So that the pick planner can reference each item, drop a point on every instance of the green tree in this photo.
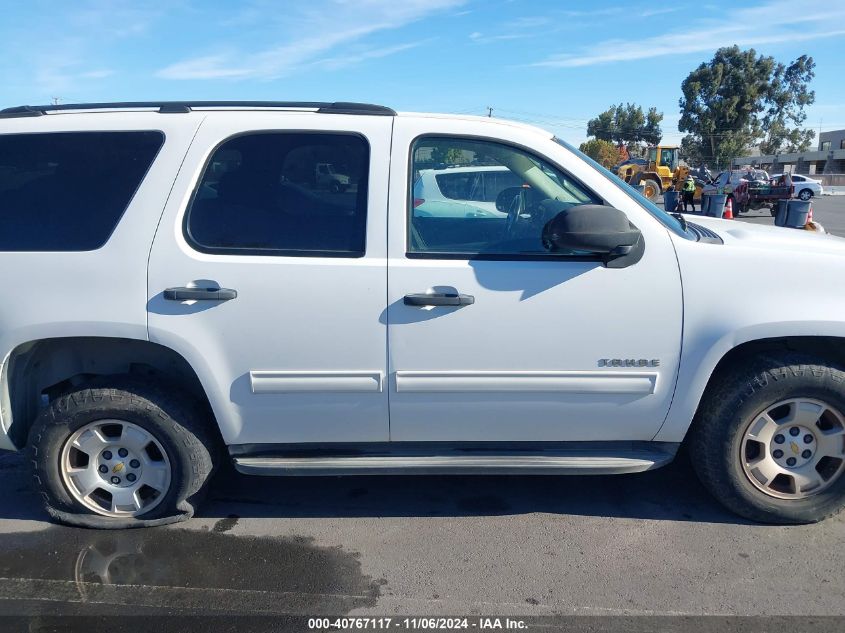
(602, 151)
(627, 125)
(448, 155)
(739, 99)
(790, 95)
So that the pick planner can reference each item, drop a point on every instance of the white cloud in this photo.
(96, 74)
(771, 23)
(333, 63)
(308, 34)
(652, 12)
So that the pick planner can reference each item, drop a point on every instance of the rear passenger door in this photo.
(277, 280)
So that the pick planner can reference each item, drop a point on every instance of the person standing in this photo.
(689, 193)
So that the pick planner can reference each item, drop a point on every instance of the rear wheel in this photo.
(805, 194)
(121, 453)
(769, 439)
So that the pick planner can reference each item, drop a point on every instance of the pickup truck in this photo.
(751, 189)
(174, 301)
(326, 176)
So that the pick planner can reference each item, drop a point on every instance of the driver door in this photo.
(519, 357)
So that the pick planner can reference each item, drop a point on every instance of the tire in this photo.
(805, 194)
(652, 189)
(733, 406)
(174, 462)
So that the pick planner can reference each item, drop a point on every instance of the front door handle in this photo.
(187, 293)
(438, 299)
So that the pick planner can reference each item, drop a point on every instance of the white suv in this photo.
(462, 191)
(180, 290)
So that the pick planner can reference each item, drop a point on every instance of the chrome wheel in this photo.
(794, 449)
(115, 468)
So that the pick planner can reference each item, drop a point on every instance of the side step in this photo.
(543, 462)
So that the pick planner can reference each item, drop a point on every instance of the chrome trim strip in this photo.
(609, 382)
(318, 381)
(517, 464)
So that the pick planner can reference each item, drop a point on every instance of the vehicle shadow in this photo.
(672, 493)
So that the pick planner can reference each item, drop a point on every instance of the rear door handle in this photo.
(187, 293)
(438, 299)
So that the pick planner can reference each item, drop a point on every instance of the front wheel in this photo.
(805, 194)
(651, 189)
(769, 439)
(121, 453)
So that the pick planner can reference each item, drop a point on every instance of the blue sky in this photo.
(555, 64)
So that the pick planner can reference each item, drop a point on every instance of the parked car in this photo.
(806, 187)
(176, 302)
(462, 191)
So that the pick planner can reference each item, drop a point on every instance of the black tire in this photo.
(729, 404)
(651, 185)
(176, 423)
(805, 194)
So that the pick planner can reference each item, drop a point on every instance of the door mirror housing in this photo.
(597, 229)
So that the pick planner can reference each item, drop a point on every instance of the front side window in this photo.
(66, 191)
(272, 193)
(476, 198)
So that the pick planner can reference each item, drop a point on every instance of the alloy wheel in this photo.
(115, 468)
(794, 449)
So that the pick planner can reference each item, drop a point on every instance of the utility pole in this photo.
(56, 100)
(489, 112)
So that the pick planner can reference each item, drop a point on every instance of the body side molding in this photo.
(610, 382)
(329, 381)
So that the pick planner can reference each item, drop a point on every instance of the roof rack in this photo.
(174, 107)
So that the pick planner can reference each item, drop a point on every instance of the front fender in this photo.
(694, 375)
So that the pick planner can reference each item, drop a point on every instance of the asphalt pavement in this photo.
(828, 210)
(649, 544)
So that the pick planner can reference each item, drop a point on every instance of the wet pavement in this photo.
(648, 544)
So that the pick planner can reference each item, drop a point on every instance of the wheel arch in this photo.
(36, 372)
(691, 389)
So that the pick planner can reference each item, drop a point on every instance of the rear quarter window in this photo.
(67, 191)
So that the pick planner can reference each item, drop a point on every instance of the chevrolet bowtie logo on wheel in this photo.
(794, 447)
(117, 467)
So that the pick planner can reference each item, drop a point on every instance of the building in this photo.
(831, 140)
(828, 157)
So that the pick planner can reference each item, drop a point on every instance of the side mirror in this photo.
(596, 229)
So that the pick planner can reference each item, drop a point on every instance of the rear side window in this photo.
(283, 193)
(67, 191)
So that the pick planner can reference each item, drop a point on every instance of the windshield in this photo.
(659, 214)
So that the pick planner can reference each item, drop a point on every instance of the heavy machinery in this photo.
(661, 170)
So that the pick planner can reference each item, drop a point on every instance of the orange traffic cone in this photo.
(729, 210)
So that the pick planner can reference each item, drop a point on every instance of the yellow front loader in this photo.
(661, 171)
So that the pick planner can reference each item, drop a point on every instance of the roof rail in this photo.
(172, 107)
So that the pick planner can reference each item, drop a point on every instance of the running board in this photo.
(547, 463)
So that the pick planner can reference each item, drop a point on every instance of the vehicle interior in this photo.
(545, 192)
